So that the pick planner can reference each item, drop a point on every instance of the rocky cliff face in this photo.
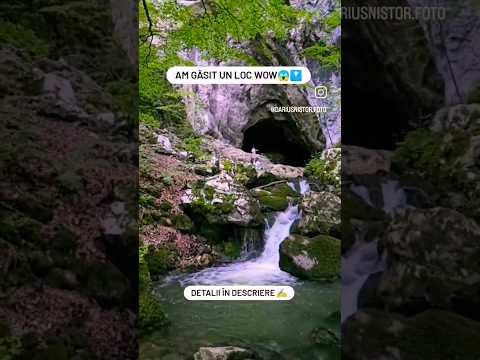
(452, 42)
(410, 205)
(239, 114)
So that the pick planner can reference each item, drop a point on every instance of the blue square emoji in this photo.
(295, 75)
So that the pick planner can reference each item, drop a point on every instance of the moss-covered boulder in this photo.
(321, 214)
(433, 261)
(433, 334)
(222, 200)
(315, 258)
(276, 197)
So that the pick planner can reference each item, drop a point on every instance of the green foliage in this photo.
(333, 21)
(228, 166)
(203, 202)
(144, 274)
(150, 314)
(243, 174)
(160, 261)
(321, 170)
(10, 347)
(232, 250)
(150, 310)
(194, 145)
(146, 201)
(23, 38)
(434, 155)
(124, 94)
(211, 28)
(328, 56)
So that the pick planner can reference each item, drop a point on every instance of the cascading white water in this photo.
(394, 197)
(360, 262)
(363, 259)
(265, 269)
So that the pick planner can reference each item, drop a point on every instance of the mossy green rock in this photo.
(433, 334)
(151, 314)
(273, 203)
(321, 214)
(182, 222)
(276, 197)
(315, 258)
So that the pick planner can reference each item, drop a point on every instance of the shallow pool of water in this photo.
(276, 330)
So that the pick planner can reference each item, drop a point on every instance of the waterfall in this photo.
(363, 258)
(360, 262)
(394, 197)
(265, 269)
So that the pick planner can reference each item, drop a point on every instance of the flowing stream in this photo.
(363, 259)
(277, 330)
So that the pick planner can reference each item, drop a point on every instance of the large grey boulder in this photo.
(224, 353)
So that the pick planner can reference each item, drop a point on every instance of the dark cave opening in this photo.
(379, 106)
(372, 120)
(273, 139)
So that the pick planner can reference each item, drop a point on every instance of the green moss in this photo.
(327, 250)
(232, 250)
(18, 227)
(124, 95)
(150, 314)
(322, 171)
(160, 261)
(323, 250)
(274, 203)
(195, 146)
(167, 181)
(182, 222)
(329, 56)
(438, 334)
(203, 205)
(283, 190)
(10, 347)
(23, 38)
(474, 96)
(434, 155)
(333, 21)
(146, 201)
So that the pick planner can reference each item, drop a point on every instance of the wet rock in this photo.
(315, 258)
(325, 337)
(433, 334)
(432, 258)
(361, 161)
(105, 283)
(164, 143)
(358, 218)
(224, 353)
(62, 279)
(276, 197)
(321, 214)
(221, 200)
(182, 222)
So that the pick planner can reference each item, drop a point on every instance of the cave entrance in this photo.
(275, 140)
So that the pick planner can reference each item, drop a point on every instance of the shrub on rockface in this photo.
(435, 155)
(324, 170)
(150, 310)
(22, 38)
